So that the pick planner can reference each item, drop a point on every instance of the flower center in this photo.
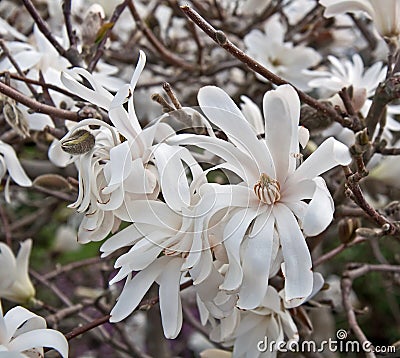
(267, 189)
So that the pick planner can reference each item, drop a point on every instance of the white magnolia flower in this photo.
(22, 331)
(271, 194)
(385, 15)
(282, 58)
(15, 284)
(270, 320)
(9, 163)
(117, 169)
(166, 229)
(345, 73)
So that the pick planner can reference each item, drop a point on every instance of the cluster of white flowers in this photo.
(217, 197)
(229, 238)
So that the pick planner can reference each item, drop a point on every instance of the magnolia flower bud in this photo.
(81, 142)
(347, 229)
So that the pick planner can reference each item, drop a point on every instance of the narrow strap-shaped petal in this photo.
(223, 112)
(98, 96)
(170, 300)
(14, 168)
(40, 338)
(282, 114)
(8, 268)
(297, 258)
(328, 155)
(136, 288)
(234, 233)
(174, 184)
(21, 317)
(256, 263)
(319, 213)
(336, 7)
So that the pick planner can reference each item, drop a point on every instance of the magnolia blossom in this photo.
(385, 17)
(282, 58)
(117, 169)
(362, 84)
(22, 331)
(40, 56)
(163, 240)
(10, 163)
(15, 284)
(271, 194)
(270, 320)
(345, 73)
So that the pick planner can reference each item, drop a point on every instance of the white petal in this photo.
(299, 277)
(120, 166)
(170, 301)
(328, 155)
(335, 7)
(21, 317)
(14, 168)
(57, 156)
(154, 213)
(40, 338)
(174, 184)
(125, 237)
(223, 112)
(241, 162)
(136, 288)
(304, 136)
(139, 69)
(319, 213)
(282, 114)
(8, 268)
(98, 96)
(256, 263)
(253, 114)
(234, 233)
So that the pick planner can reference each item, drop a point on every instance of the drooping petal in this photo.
(234, 233)
(14, 168)
(319, 213)
(170, 301)
(282, 114)
(297, 258)
(136, 288)
(256, 263)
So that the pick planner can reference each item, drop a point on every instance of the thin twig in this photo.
(17, 68)
(44, 29)
(67, 19)
(73, 266)
(337, 250)
(37, 106)
(39, 83)
(220, 38)
(168, 56)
